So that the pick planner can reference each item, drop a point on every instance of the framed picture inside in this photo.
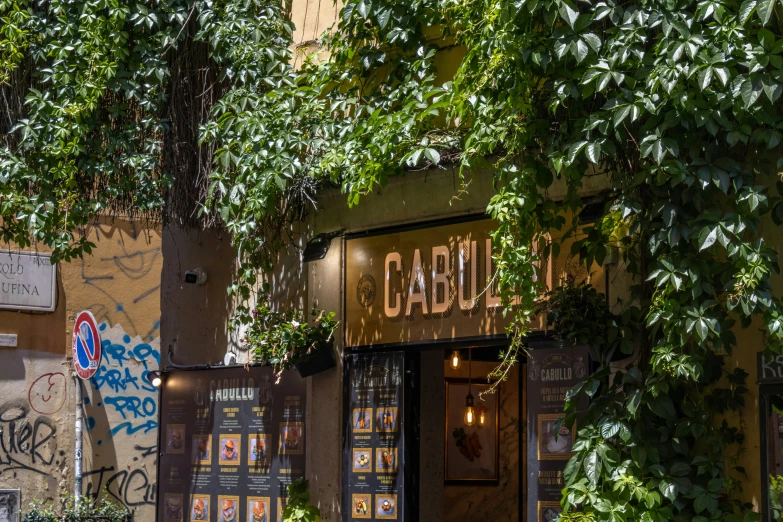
(472, 452)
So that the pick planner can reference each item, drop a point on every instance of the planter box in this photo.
(320, 360)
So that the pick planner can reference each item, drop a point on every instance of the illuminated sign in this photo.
(423, 284)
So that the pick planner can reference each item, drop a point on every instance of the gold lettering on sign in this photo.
(425, 284)
(440, 279)
(392, 303)
(470, 302)
(416, 286)
(493, 301)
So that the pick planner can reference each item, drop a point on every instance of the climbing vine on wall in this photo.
(674, 104)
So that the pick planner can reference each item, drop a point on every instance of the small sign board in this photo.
(28, 281)
(551, 373)
(10, 505)
(86, 345)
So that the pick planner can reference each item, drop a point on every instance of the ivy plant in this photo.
(284, 339)
(674, 104)
(71, 509)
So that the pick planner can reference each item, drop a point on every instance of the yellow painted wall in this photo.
(120, 284)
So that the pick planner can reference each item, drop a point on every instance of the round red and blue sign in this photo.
(86, 345)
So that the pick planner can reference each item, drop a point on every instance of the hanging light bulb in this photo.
(482, 416)
(470, 411)
(455, 361)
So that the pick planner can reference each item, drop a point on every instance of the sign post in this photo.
(87, 353)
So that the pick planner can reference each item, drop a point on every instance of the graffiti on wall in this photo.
(126, 283)
(123, 275)
(122, 413)
(27, 443)
(47, 393)
(134, 487)
(123, 384)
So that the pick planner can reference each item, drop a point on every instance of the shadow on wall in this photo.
(120, 284)
(195, 318)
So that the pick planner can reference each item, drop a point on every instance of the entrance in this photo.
(446, 467)
(470, 472)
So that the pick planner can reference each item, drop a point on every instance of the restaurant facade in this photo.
(382, 434)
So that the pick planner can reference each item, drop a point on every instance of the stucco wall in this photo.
(120, 284)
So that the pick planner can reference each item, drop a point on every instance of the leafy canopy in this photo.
(674, 103)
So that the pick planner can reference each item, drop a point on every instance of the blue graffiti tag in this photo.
(125, 387)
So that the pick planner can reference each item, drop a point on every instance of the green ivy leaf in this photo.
(568, 12)
(765, 8)
(746, 10)
(707, 237)
(592, 465)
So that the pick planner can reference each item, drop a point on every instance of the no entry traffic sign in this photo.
(86, 345)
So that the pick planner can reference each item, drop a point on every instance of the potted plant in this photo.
(579, 315)
(297, 507)
(285, 340)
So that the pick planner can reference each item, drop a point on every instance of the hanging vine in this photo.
(674, 104)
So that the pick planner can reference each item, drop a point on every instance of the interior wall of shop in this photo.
(500, 502)
(120, 284)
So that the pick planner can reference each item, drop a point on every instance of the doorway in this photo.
(469, 472)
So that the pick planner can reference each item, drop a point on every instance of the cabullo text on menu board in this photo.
(231, 441)
(550, 374)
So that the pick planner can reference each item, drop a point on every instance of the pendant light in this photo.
(470, 412)
(455, 362)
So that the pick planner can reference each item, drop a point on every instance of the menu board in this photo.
(550, 374)
(373, 479)
(231, 441)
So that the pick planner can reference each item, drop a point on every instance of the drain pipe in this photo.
(77, 461)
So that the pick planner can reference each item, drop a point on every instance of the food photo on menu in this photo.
(386, 459)
(202, 449)
(548, 511)
(199, 509)
(360, 506)
(362, 458)
(258, 509)
(362, 420)
(291, 435)
(555, 442)
(386, 418)
(385, 506)
(229, 449)
(228, 508)
(172, 507)
(175, 438)
(258, 449)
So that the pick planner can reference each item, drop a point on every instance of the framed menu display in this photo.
(231, 441)
(550, 374)
(373, 475)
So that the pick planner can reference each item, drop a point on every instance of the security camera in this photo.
(197, 276)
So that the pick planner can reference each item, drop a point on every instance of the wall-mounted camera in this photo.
(197, 276)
